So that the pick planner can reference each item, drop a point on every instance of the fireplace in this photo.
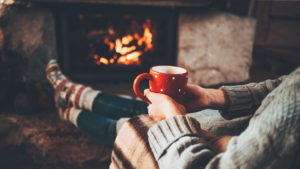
(30, 43)
(114, 42)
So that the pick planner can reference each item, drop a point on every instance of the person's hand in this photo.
(198, 98)
(163, 106)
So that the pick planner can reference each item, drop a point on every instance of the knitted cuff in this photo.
(164, 133)
(239, 101)
(87, 98)
(73, 116)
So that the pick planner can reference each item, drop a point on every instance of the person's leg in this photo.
(98, 128)
(118, 107)
(95, 113)
(83, 97)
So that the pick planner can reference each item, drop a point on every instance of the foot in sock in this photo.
(55, 76)
(68, 93)
(70, 114)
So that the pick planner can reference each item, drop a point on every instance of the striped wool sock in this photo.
(70, 114)
(55, 76)
(70, 94)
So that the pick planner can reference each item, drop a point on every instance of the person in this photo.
(177, 140)
(271, 139)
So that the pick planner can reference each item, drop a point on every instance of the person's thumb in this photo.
(150, 95)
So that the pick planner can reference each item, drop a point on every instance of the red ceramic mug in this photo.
(169, 80)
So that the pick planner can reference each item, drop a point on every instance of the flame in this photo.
(127, 39)
(111, 61)
(128, 48)
(123, 50)
(102, 60)
(111, 31)
(110, 44)
(96, 56)
(132, 58)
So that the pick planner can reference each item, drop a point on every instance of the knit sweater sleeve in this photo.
(243, 100)
(176, 143)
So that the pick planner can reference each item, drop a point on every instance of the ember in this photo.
(124, 50)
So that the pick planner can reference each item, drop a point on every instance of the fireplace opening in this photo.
(114, 42)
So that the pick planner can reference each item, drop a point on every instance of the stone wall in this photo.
(30, 33)
(29, 43)
(215, 47)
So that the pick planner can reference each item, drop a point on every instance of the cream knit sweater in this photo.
(271, 140)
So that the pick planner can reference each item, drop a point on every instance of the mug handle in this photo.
(136, 85)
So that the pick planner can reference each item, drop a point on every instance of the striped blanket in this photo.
(131, 148)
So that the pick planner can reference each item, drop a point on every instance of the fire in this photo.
(128, 48)
(132, 58)
(103, 60)
(127, 39)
